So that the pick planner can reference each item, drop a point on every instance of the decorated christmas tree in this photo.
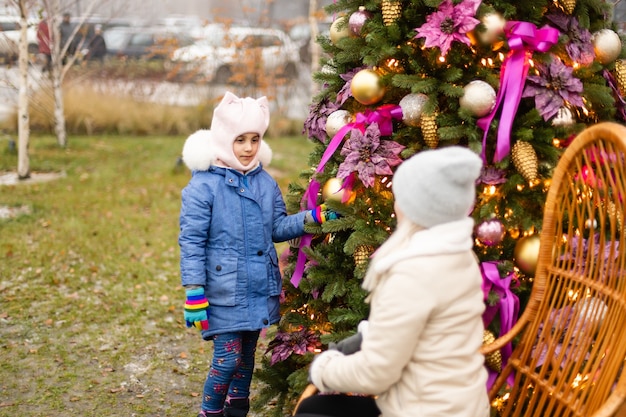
(512, 81)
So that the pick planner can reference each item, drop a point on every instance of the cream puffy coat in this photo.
(420, 355)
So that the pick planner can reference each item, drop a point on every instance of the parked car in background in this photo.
(10, 38)
(238, 54)
(193, 25)
(144, 43)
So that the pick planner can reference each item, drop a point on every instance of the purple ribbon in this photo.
(383, 116)
(508, 307)
(523, 38)
(619, 100)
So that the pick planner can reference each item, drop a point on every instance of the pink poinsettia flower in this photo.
(368, 155)
(449, 23)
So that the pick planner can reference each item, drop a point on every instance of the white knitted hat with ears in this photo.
(233, 117)
(437, 186)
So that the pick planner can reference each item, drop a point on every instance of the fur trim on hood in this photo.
(199, 156)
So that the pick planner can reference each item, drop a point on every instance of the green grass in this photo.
(90, 297)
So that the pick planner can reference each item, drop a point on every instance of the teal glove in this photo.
(197, 309)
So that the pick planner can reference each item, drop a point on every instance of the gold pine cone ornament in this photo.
(525, 160)
(620, 76)
(429, 130)
(568, 5)
(362, 254)
(494, 359)
(392, 10)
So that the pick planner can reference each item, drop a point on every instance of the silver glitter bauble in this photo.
(563, 118)
(494, 28)
(607, 46)
(590, 313)
(336, 120)
(478, 98)
(412, 106)
(490, 232)
(358, 19)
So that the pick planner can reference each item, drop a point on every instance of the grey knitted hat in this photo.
(437, 186)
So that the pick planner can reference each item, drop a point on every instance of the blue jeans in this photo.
(231, 370)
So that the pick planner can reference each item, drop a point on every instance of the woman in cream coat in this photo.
(419, 355)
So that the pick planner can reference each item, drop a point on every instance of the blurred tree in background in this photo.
(513, 81)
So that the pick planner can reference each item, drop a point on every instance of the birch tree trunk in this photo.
(59, 67)
(23, 122)
(53, 11)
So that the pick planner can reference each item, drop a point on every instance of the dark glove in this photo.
(197, 309)
(321, 214)
(349, 345)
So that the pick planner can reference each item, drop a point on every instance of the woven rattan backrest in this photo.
(569, 359)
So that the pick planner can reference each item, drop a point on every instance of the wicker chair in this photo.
(571, 337)
(570, 342)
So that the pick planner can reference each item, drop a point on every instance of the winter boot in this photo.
(236, 407)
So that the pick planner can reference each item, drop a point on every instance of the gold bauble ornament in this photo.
(336, 120)
(362, 254)
(392, 10)
(620, 75)
(526, 254)
(429, 130)
(494, 359)
(478, 98)
(339, 29)
(567, 5)
(607, 45)
(365, 87)
(525, 160)
(333, 191)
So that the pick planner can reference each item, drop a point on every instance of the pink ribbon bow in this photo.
(523, 38)
(508, 307)
(383, 116)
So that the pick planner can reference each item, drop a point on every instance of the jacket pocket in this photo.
(222, 281)
(275, 283)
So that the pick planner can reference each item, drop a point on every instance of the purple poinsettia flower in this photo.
(449, 23)
(315, 124)
(368, 155)
(553, 88)
(579, 46)
(491, 176)
(286, 344)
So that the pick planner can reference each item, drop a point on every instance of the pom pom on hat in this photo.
(233, 117)
(437, 186)
(199, 151)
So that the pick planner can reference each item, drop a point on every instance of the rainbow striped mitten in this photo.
(197, 309)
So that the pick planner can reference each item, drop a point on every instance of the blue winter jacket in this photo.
(228, 224)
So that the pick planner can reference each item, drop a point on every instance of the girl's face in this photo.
(246, 146)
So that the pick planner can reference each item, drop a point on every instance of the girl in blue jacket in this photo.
(232, 213)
